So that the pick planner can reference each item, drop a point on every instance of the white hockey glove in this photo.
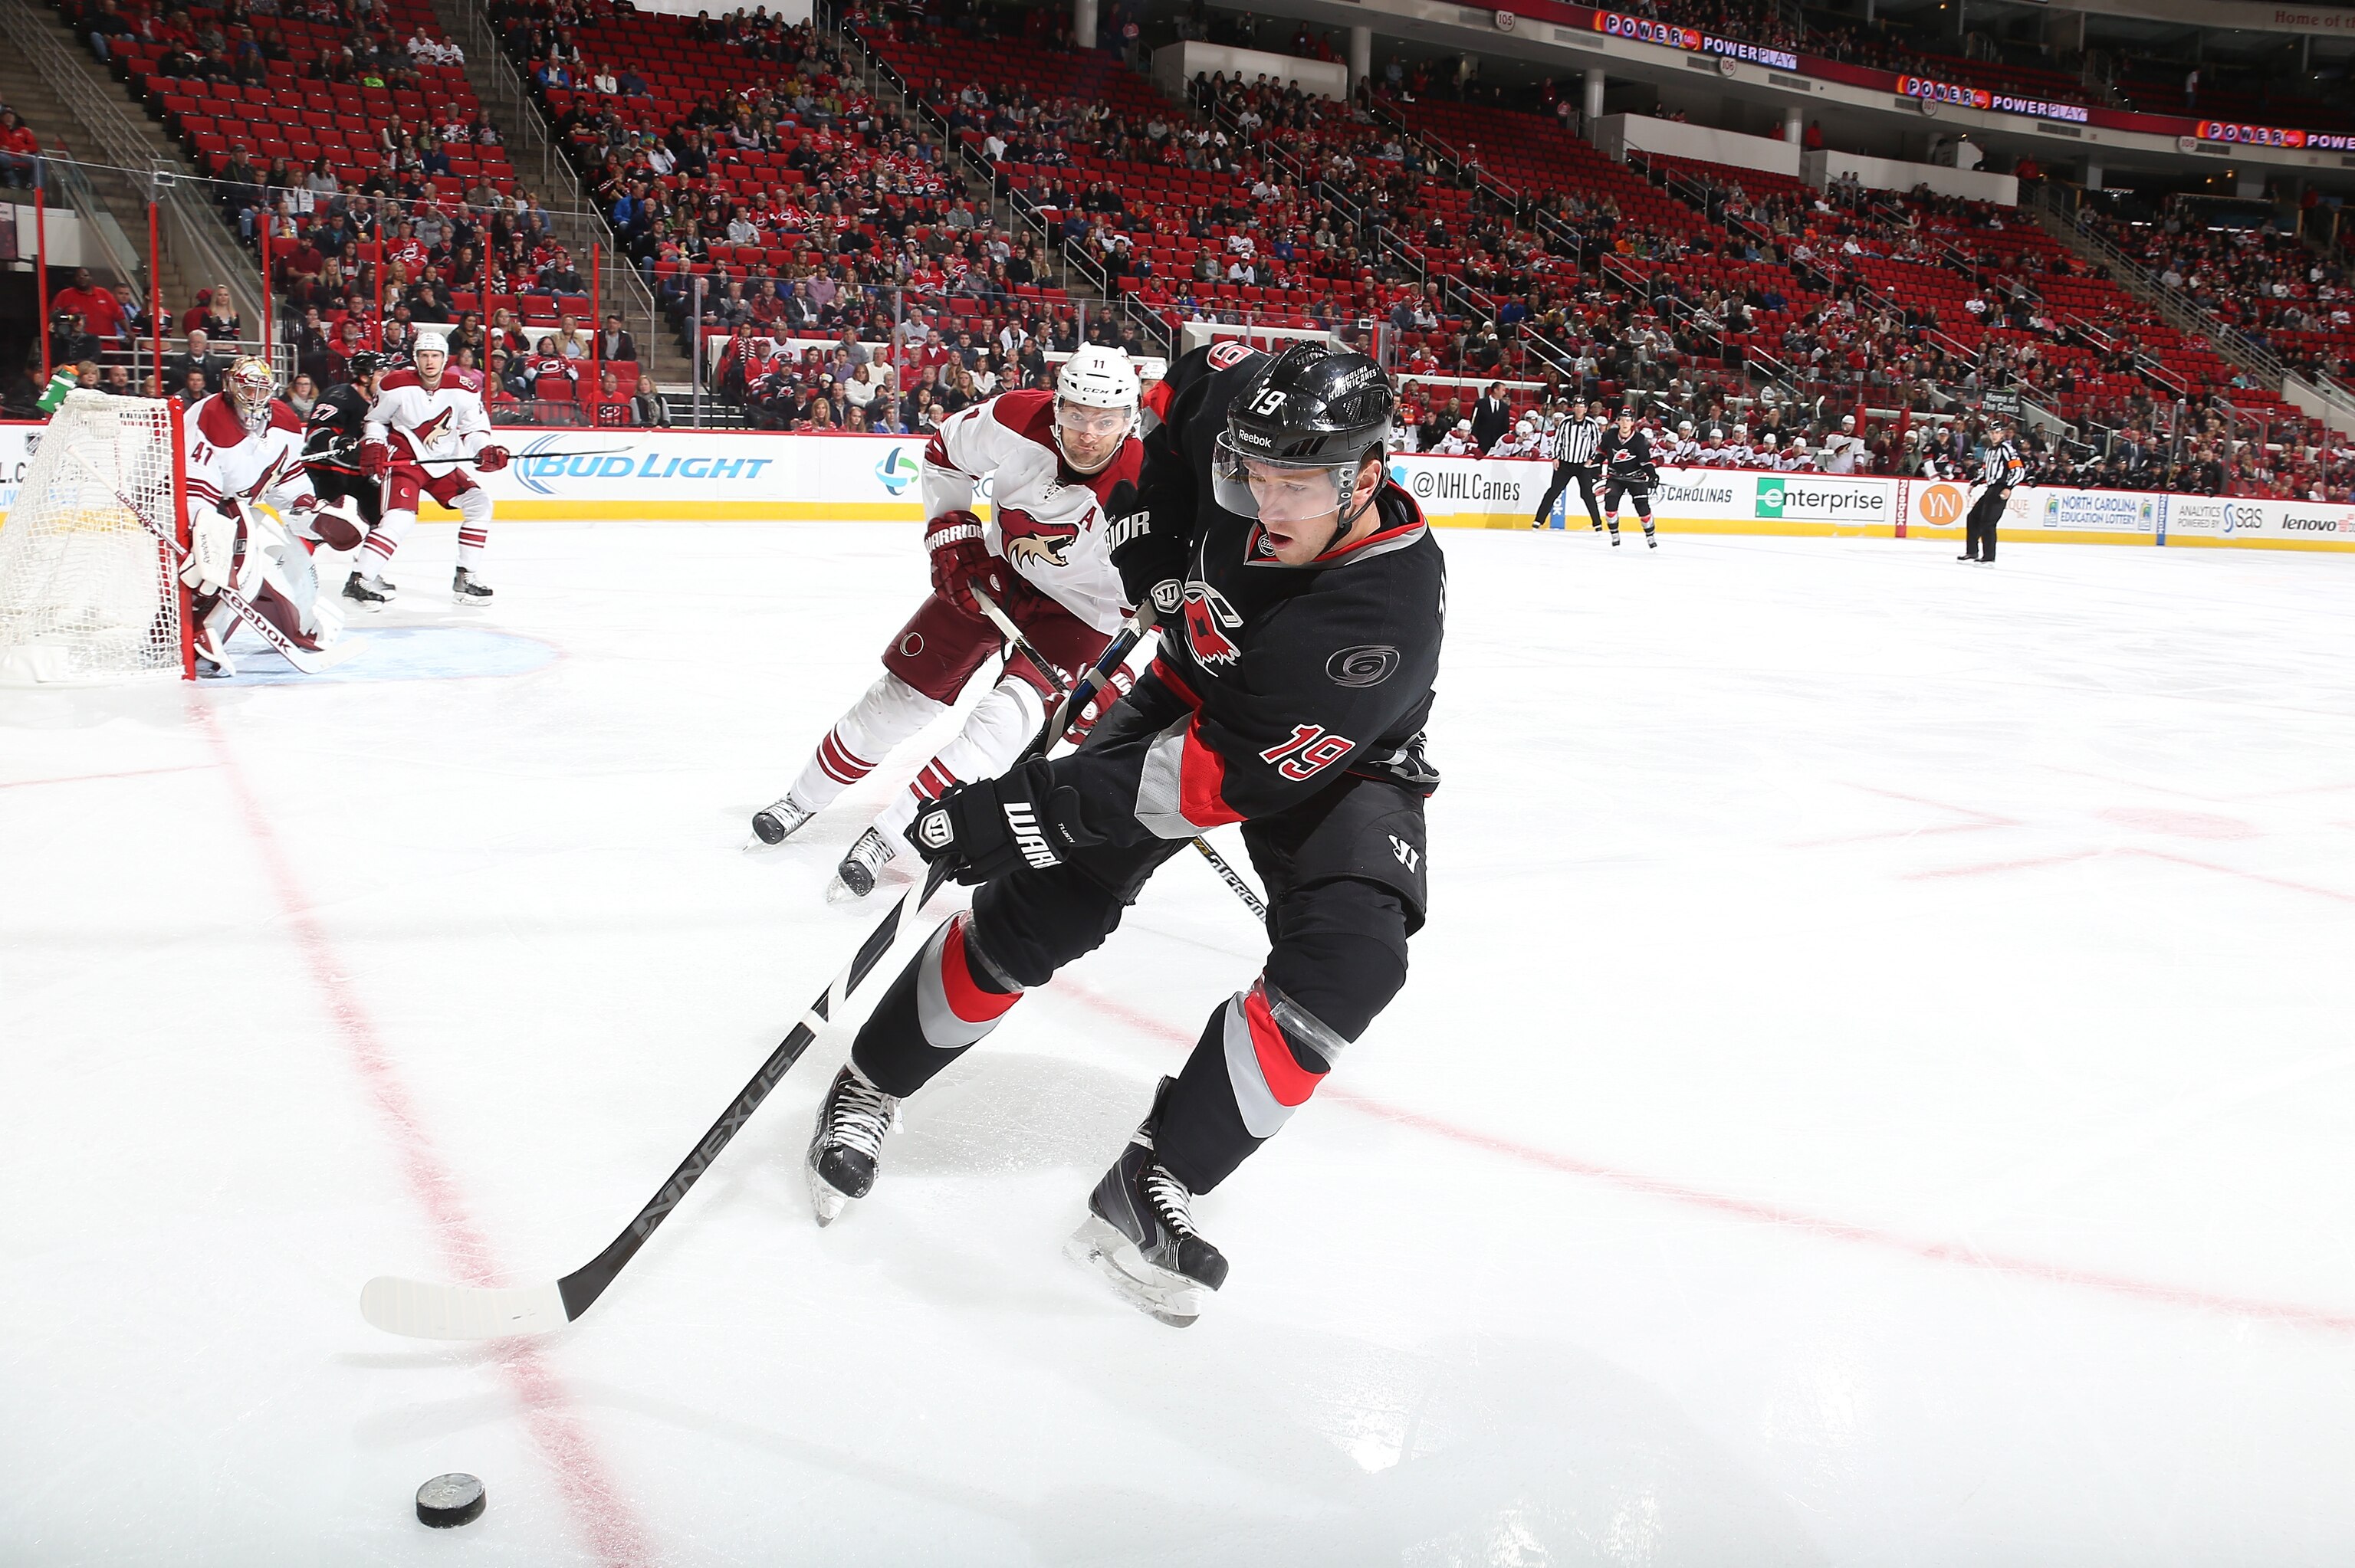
(211, 564)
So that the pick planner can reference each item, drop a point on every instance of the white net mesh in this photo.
(86, 593)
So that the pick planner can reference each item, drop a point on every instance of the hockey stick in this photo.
(347, 454)
(534, 456)
(427, 1311)
(302, 658)
(1227, 874)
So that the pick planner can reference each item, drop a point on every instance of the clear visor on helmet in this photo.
(1090, 436)
(1275, 491)
(1087, 423)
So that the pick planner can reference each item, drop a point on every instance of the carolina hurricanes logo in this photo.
(1029, 542)
(1209, 617)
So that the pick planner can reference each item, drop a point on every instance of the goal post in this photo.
(87, 594)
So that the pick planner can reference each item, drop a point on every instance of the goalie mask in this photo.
(1298, 433)
(1095, 407)
(251, 384)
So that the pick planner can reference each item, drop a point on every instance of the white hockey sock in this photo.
(384, 539)
(890, 713)
(994, 735)
(474, 528)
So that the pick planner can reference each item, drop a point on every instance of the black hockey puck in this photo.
(448, 1501)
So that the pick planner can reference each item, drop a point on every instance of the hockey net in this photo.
(87, 594)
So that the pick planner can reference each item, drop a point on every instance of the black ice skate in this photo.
(466, 589)
(1140, 1232)
(849, 1142)
(779, 821)
(368, 593)
(855, 877)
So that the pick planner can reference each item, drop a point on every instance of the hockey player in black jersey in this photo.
(1627, 472)
(331, 444)
(1301, 596)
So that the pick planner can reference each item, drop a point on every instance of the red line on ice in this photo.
(1759, 1212)
(555, 1424)
(92, 778)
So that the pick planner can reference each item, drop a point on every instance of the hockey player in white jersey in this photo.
(242, 450)
(1523, 441)
(1054, 461)
(433, 411)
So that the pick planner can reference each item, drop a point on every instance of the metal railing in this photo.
(2061, 210)
(197, 235)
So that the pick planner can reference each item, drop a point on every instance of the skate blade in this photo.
(827, 1201)
(467, 599)
(840, 892)
(1171, 1298)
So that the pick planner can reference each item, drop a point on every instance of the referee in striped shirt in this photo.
(1573, 441)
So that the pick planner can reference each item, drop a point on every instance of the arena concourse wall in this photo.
(748, 476)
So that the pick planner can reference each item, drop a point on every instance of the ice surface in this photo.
(1875, 1089)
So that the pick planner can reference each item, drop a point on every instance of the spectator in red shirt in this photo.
(101, 312)
(19, 150)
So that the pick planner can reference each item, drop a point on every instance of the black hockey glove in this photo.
(1152, 568)
(981, 831)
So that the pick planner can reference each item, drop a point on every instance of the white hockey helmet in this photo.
(1097, 377)
(429, 342)
(1684, 427)
(1528, 427)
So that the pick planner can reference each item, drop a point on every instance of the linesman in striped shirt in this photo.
(1574, 443)
(2000, 469)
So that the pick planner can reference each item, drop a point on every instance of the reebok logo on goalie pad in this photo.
(1024, 825)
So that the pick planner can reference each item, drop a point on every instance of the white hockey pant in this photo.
(994, 735)
(473, 532)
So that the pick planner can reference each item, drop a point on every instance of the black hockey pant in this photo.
(1617, 491)
(1979, 528)
(1345, 879)
(1564, 474)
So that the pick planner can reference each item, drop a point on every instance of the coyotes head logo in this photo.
(1029, 542)
(1209, 619)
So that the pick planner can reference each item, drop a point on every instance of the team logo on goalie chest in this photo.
(1209, 619)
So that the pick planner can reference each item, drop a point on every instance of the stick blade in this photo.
(423, 1311)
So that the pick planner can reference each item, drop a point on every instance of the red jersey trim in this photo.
(1202, 782)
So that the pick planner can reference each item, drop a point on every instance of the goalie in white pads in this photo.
(242, 448)
(1055, 460)
(433, 411)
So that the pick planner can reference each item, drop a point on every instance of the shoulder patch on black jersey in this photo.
(1227, 352)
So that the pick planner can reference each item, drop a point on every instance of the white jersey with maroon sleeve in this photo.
(447, 419)
(1046, 521)
(231, 467)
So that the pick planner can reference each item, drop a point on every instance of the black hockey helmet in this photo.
(1312, 403)
(367, 362)
(1315, 410)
